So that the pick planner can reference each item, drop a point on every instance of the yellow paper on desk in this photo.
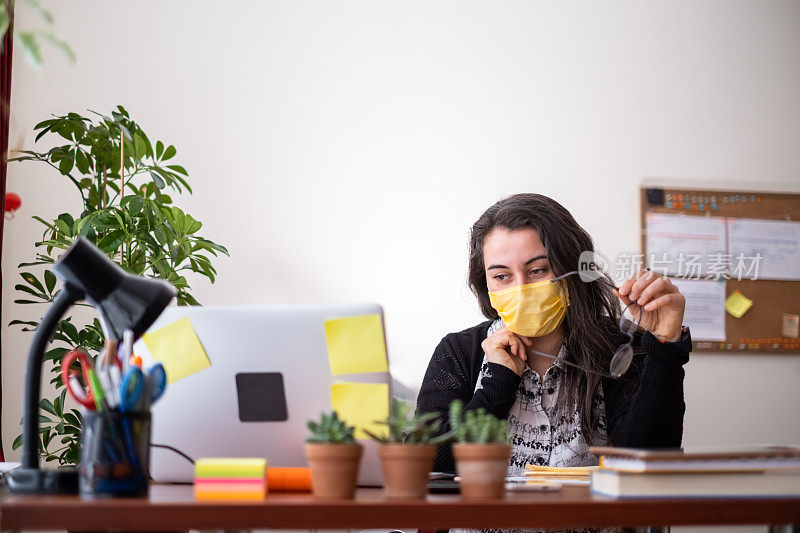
(356, 345)
(360, 405)
(555, 471)
(737, 304)
(178, 348)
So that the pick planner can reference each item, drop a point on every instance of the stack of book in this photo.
(704, 472)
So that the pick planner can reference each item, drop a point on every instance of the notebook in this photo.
(699, 459)
(695, 484)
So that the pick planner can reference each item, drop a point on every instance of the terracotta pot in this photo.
(334, 469)
(405, 469)
(482, 468)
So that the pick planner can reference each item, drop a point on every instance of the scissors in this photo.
(157, 378)
(139, 390)
(85, 394)
(136, 387)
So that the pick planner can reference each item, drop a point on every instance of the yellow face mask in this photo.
(532, 310)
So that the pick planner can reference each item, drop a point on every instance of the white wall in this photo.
(341, 150)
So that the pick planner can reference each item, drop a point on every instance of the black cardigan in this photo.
(644, 408)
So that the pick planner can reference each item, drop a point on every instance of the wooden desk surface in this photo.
(174, 508)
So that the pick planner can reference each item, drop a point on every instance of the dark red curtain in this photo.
(5, 112)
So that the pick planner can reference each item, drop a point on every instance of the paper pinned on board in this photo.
(361, 405)
(178, 348)
(791, 326)
(764, 249)
(705, 307)
(738, 304)
(687, 246)
(356, 345)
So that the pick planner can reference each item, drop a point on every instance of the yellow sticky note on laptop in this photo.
(178, 348)
(737, 304)
(361, 405)
(356, 345)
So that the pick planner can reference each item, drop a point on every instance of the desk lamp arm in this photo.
(29, 478)
(33, 376)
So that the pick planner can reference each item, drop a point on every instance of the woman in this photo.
(518, 248)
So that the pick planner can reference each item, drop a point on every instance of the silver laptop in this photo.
(215, 412)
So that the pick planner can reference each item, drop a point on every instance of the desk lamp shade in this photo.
(123, 301)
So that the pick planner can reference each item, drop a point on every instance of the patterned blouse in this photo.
(541, 433)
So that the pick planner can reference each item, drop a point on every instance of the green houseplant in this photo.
(124, 184)
(408, 449)
(481, 451)
(333, 456)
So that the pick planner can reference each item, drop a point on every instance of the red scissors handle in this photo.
(75, 389)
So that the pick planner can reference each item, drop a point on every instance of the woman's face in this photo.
(514, 257)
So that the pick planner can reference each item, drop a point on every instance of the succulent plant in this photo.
(330, 429)
(408, 427)
(477, 426)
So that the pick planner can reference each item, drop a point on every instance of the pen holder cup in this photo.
(115, 454)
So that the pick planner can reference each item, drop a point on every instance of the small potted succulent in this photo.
(481, 452)
(333, 456)
(407, 450)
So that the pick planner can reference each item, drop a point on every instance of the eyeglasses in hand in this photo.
(623, 356)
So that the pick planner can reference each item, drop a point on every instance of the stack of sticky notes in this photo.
(230, 479)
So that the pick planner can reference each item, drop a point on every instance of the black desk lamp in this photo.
(123, 302)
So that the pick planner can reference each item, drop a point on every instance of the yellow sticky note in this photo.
(737, 304)
(361, 405)
(356, 345)
(177, 348)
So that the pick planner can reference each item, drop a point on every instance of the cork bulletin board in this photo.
(769, 324)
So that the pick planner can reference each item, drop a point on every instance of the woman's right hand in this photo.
(506, 348)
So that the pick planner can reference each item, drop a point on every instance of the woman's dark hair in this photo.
(591, 331)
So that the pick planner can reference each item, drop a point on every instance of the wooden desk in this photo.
(173, 508)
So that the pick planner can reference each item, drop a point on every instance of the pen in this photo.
(127, 348)
(104, 376)
(97, 390)
(110, 355)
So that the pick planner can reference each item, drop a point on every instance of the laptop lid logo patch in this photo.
(261, 396)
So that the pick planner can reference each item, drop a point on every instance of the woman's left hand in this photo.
(661, 302)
